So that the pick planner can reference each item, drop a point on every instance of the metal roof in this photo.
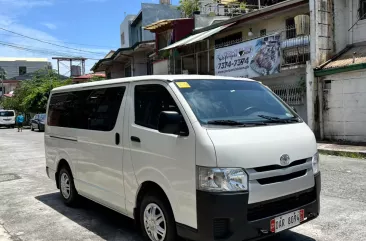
(354, 55)
(197, 37)
(162, 23)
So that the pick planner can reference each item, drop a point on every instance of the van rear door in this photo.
(7, 117)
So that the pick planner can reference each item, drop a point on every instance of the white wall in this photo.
(346, 15)
(161, 67)
(344, 109)
(341, 26)
(12, 67)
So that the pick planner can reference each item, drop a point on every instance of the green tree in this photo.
(31, 96)
(189, 6)
(2, 77)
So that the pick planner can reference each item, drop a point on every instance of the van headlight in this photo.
(221, 179)
(315, 163)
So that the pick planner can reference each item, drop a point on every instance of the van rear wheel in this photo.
(67, 187)
(157, 219)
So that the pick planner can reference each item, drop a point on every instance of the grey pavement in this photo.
(31, 207)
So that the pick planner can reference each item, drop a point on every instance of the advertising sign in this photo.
(250, 59)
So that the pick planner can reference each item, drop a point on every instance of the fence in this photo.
(292, 94)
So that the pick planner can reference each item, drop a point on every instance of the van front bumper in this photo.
(229, 217)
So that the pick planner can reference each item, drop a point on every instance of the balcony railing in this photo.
(232, 8)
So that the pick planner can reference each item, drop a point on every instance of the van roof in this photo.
(168, 78)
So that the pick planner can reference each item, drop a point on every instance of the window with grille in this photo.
(362, 9)
(228, 40)
(290, 28)
(292, 94)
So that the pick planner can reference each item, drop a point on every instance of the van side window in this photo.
(150, 100)
(95, 109)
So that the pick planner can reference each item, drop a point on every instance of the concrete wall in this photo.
(344, 110)
(117, 70)
(341, 18)
(125, 28)
(161, 67)
(140, 64)
(12, 67)
(346, 15)
(359, 30)
(136, 33)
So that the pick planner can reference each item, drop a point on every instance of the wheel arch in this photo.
(149, 187)
(62, 163)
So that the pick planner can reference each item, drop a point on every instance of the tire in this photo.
(32, 129)
(39, 128)
(67, 188)
(12, 127)
(166, 220)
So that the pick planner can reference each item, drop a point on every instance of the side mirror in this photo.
(171, 122)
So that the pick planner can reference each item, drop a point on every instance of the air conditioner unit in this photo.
(302, 25)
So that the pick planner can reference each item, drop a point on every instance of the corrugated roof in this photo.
(162, 23)
(346, 59)
(197, 37)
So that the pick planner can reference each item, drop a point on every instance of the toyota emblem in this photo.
(285, 160)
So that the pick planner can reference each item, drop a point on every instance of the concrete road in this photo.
(31, 207)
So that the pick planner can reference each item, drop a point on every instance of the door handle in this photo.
(117, 138)
(135, 139)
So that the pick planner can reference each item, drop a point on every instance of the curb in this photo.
(343, 153)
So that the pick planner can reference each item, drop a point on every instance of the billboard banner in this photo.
(250, 59)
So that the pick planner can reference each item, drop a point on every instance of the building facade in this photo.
(342, 78)
(271, 44)
(21, 66)
(137, 44)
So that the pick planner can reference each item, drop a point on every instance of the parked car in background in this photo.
(7, 118)
(38, 122)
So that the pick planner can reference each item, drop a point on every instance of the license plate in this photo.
(287, 221)
(7, 119)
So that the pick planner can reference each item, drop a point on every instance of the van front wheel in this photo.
(67, 187)
(157, 220)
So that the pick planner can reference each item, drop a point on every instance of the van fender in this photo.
(62, 155)
(149, 174)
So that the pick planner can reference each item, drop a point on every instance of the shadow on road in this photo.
(111, 225)
(105, 223)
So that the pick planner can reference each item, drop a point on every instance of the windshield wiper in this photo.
(225, 122)
(235, 123)
(275, 119)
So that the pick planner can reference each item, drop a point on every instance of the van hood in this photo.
(250, 147)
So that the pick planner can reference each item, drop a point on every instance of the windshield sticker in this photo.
(183, 85)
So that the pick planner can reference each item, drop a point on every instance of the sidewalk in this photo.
(342, 150)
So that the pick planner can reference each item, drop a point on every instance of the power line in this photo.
(39, 40)
(60, 41)
(38, 50)
(42, 49)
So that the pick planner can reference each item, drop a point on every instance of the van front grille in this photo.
(269, 180)
(277, 167)
(280, 205)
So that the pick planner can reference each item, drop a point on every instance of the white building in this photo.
(20, 66)
(342, 79)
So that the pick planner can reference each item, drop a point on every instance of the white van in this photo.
(7, 118)
(202, 157)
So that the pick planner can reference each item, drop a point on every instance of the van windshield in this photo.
(6, 113)
(234, 102)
